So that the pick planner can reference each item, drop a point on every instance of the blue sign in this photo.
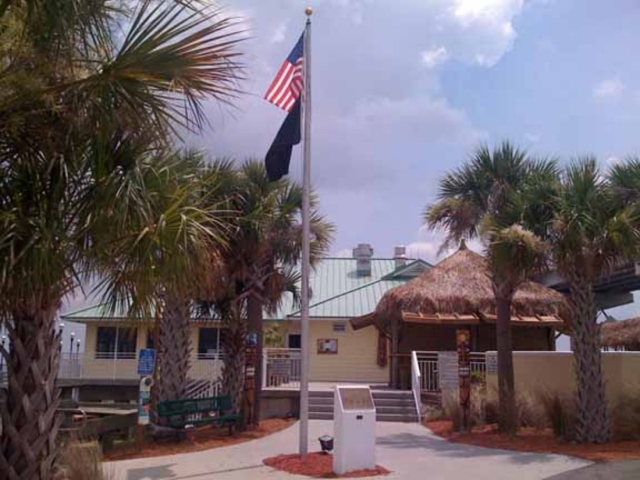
(146, 361)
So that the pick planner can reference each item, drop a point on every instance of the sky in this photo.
(404, 90)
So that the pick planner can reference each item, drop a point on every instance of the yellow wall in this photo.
(356, 357)
(553, 372)
(354, 362)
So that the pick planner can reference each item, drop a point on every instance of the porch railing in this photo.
(428, 366)
(281, 367)
(109, 366)
(429, 370)
(416, 383)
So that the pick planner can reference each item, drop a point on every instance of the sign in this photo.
(463, 340)
(328, 345)
(356, 398)
(144, 400)
(146, 361)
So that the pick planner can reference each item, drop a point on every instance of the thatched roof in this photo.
(458, 291)
(623, 334)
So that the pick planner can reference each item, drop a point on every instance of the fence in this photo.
(431, 369)
(281, 367)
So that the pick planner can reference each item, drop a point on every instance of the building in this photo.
(342, 288)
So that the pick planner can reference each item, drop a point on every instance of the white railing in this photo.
(478, 366)
(416, 383)
(107, 366)
(281, 367)
(428, 366)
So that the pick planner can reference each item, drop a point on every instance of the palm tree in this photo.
(595, 226)
(261, 263)
(85, 118)
(477, 201)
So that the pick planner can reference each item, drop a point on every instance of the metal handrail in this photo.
(416, 382)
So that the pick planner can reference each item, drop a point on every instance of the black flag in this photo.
(279, 154)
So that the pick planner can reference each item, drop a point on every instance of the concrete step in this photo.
(380, 417)
(321, 415)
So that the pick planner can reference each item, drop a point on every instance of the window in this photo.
(208, 343)
(294, 340)
(339, 327)
(108, 339)
(150, 343)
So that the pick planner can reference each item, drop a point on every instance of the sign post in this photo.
(146, 368)
(463, 338)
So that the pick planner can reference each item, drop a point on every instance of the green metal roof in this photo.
(336, 290)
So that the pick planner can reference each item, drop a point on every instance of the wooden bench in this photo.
(212, 411)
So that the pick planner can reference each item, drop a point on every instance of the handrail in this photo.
(416, 382)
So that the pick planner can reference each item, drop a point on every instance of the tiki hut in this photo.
(621, 335)
(425, 313)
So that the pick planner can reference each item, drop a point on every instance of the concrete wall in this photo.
(356, 357)
(553, 372)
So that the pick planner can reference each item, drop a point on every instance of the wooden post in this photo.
(463, 338)
(394, 354)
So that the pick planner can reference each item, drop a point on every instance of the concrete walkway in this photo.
(408, 450)
(624, 470)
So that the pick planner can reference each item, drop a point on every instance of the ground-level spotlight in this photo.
(326, 443)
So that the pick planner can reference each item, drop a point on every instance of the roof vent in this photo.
(363, 253)
(400, 256)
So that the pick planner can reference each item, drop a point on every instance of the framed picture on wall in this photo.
(327, 345)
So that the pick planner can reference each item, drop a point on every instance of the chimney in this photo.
(400, 256)
(363, 253)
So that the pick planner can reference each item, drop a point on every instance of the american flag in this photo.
(286, 87)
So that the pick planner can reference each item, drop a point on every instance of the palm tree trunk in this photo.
(593, 415)
(30, 423)
(234, 344)
(254, 313)
(508, 420)
(174, 350)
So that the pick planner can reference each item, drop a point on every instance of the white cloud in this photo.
(485, 30)
(279, 33)
(344, 253)
(434, 57)
(609, 89)
(532, 137)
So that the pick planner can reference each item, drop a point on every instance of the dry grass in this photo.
(625, 417)
(621, 334)
(460, 284)
(82, 460)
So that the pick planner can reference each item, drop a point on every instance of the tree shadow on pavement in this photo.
(457, 450)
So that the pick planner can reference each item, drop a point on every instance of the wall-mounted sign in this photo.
(146, 361)
(327, 345)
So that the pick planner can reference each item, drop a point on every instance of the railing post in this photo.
(416, 383)
(265, 358)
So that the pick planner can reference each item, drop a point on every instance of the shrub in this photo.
(625, 417)
(530, 412)
(561, 414)
(82, 460)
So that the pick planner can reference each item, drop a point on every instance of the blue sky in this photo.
(403, 91)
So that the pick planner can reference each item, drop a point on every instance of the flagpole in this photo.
(306, 234)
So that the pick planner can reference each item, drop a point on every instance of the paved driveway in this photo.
(408, 450)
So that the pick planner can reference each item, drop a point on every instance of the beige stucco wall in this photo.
(356, 357)
(553, 372)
